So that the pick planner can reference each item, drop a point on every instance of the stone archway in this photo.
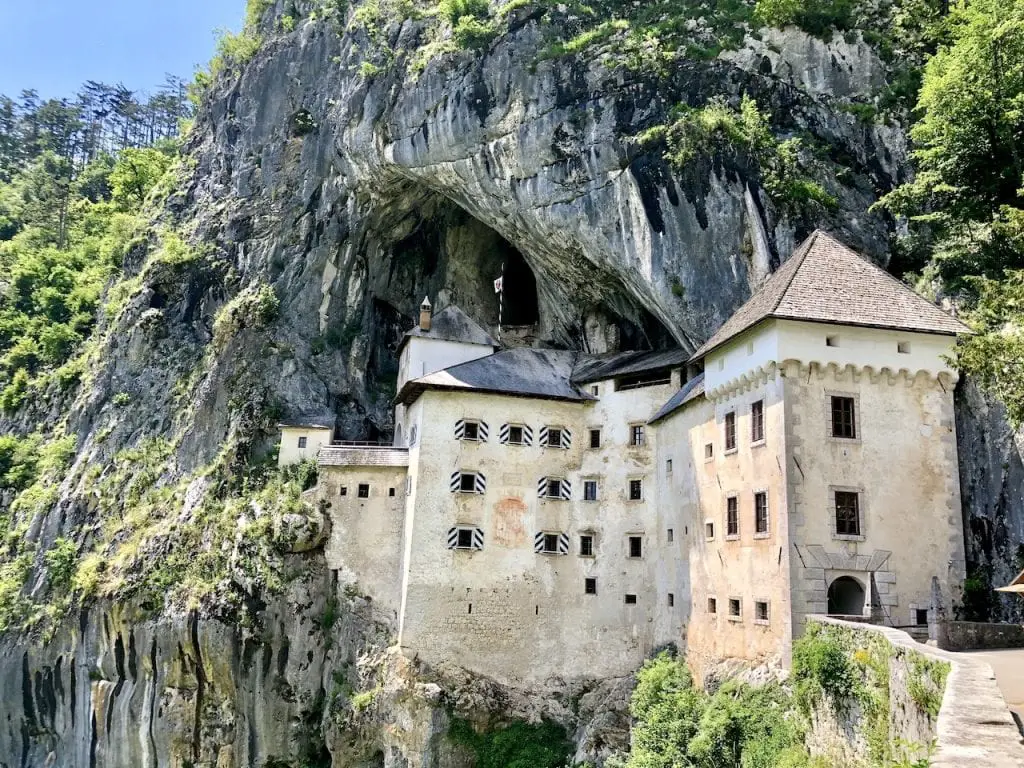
(846, 597)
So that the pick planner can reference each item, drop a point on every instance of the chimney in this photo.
(425, 314)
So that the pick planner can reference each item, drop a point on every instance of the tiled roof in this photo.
(601, 367)
(452, 324)
(349, 456)
(826, 282)
(693, 389)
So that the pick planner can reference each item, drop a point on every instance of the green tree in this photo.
(136, 173)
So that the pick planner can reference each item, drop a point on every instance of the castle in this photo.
(544, 514)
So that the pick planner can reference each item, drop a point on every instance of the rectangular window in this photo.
(595, 390)
(391, 492)
(636, 490)
(671, 600)
(757, 421)
(671, 535)
(712, 605)
(364, 491)
(471, 431)
(590, 586)
(760, 512)
(730, 431)
(831, 341)
(709, 451)
(467, 482)
(921, 614)
(586, 545)
(735, 608)
(761, 611)
(515, 435)
(465, 538)
(554, 489)
(630, 599)
(636, 435)
(550, 544)
(636, 546)
(344, 490)
(843, 418)
(554, 437)
(590, 490)
(302, 442)
(847, 513)
(732, 516)
(668, 466)
(903, 347)
(709, 530)
(595, 438)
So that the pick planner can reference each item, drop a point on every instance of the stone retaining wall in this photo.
(975, 635)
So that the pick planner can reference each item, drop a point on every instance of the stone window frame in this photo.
(766, 534)
(861, 512)
(629, 489)
(737, 617)
(522, 442)
(732, 536)
(590, 438)
(765, 622)
(475, 424)
(637, 430)
(726, 450)
(855, 396)
(359, 491)
(629, 546)
(593, 544)
(590, 585)
(763, 440)
(597, 489)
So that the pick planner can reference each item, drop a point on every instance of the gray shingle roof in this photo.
(452, 324)
(601, 367)
(826, 282)
(693, 389)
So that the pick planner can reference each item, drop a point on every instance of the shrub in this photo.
(821, 666)
(454, 10)
(518, 745)
(61, 562)
(816, 17)
(254, 307)
(15, 393)
(472, 33)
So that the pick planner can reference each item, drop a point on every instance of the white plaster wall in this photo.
(423, 355)
(780, 340)
(290, 453)
(530, 618)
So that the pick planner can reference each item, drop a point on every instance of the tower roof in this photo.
(824, 281)
(452, 324)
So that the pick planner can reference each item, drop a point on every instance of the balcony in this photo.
(358, 454)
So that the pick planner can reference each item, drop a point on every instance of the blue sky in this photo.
(55, 45)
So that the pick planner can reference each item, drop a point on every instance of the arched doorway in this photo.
(846, 597)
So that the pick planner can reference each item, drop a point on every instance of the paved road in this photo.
(1008, 665)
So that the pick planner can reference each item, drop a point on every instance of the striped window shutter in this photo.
(563, 544)
(542, 488)
(564, 489)
(478, 538)
(460, 429)
(543, 436)
(566, 439)
(527, 435)
(538, 542)
(479, 482)
(481, 430)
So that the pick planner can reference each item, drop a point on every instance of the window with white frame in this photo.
(303, 441)
(590, 490)
(637, 435)
(586, 545)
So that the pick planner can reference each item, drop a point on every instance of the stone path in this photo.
(1008, 666)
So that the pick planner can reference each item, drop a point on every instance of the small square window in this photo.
(668, 466)
(735, 608)
(831, 341)
(467, 482)
(595, 438)
(732, 517)
(471, 431)
(903, 347)
(586, 545)
(709, 530)
(590, 490)
(671, 600)
(712, 605)
(302, 442)
(671, 535)
(515, 435)
(344, 490)
(595, 390)
(709, 451)
(730, 431)
(761, 512)
(636, 490)
(590, 586)
(637, 437)
(391, 492)
(465, 538)
(757, 421)
(761, 611)
(554, 489)
(921, 614)
(636, 546)
(554, 438)
(630, 599)
(364, 491)
(550, 543)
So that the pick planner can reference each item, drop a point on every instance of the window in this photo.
(757, 421)
(671, 535)
(630, 599)
(831, 341)
(595, 438)
(921, 615)
(760, 512)
(636, 435)
(903, 347)
(465, 538)
(709, 530)
(847, 513)
(344, 490)
(671, 600)
(636, 490)
(761, 611)
(590, 586)
(515, 435)
(636, 546)
(391, 492)
(587, 545)
(843, 418)
(750, 347)
(735, 608)
(550, 543)
(709, 451)
(730, 431)
(732, 517)
(472, 431)
(554, 438)
(554, 489)
(412, 436)
(590, 490)
(595, 390)
(712, 605)
(302, 442)
(364, 491)
(545, 543)
(668, 466)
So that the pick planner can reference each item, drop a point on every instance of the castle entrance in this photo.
(845, 597)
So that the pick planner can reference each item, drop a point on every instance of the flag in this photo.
(499, 284)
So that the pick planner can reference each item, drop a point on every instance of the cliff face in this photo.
(351, 193)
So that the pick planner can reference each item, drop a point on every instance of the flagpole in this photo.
(501, 299)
